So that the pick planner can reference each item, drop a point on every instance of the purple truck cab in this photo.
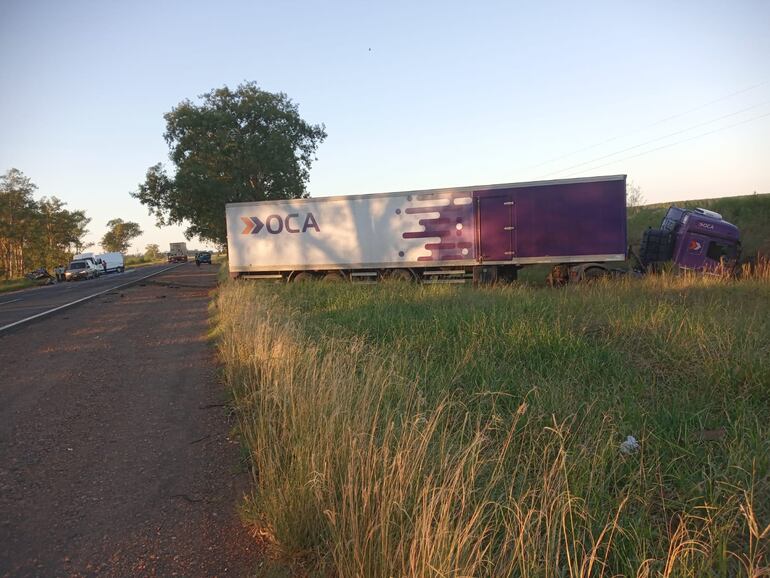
(697, 240)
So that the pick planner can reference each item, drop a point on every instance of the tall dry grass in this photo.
(375, 453)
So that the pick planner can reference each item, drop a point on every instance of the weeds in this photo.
(400, 430)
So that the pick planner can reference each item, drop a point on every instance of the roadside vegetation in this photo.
(143, 260)
(35, 233)
(402, 430)
(7, 285)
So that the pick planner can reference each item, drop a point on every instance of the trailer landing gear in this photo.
(485, 275)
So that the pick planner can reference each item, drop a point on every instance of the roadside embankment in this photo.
(401, 430)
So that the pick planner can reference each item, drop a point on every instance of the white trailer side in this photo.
(390, 230)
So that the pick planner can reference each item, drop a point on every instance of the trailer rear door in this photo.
(495, 225)
(552, 222)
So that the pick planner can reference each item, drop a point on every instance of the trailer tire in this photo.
(333, 277)
(302, 277)
(594, 273)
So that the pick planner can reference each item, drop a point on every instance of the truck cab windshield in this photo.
(719, 250)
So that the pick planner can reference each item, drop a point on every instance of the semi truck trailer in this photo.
(177, 253)
(480, 233)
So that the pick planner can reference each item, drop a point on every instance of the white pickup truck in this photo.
(82, 269)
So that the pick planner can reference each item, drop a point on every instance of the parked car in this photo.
(203, 257)
(82, 269)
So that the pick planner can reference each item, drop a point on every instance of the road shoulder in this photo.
(115, 455)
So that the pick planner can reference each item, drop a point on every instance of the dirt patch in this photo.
(114, 451)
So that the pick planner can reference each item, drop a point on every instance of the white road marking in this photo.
(11, 301)
(71, 303)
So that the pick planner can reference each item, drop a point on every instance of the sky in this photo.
(414, 95)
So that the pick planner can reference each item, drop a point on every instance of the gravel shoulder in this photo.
(114, 451)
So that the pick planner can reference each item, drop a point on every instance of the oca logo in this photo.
(275, 224)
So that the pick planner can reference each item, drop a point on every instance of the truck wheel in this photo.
(400, 275)
(333, 277)
(302, 277)
(594, 273)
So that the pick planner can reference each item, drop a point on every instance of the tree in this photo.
(152, 251)
(634, 196)
(237, 145)
(35, 233)
(17, 219)
(118, 238)
(61, 232)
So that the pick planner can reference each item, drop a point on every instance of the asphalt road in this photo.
(22, 304)
(116, 457)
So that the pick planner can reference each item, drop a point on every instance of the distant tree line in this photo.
(44, 233)
(35, 233)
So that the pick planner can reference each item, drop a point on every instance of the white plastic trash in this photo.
(629, 446)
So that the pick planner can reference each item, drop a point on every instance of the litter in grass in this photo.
(629, 446)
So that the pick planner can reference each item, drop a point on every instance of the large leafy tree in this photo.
(152, 251)
(236, 145)
(119, 235)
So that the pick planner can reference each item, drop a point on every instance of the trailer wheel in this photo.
(594, 273)
(333, 277)
(302, 277)
(399, 275)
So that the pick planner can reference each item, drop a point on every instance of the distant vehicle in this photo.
(177, 253)
(203, 257)
(481, 233)
(112, 262)
(82, 269)
(94, 259)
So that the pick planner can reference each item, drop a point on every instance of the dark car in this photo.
(204, 257)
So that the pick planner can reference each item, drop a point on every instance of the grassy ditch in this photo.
(401, 430)
(7, 285)
(135, 261)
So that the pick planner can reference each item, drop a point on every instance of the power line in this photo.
(645, 127)
(697, 136)
(654, 140)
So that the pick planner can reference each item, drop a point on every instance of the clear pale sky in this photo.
(413, 94)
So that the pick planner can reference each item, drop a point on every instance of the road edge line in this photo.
(82, 299)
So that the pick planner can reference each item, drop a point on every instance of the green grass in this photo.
(15, 284)
(135, 261)
(400, 430)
